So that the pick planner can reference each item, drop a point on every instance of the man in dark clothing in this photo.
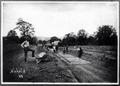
(80, 52)
(56, 48)
(67, 49)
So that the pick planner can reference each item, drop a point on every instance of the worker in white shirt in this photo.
(27, 47)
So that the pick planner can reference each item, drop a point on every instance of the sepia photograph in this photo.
(60, 42)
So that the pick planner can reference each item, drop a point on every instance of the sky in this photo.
(59, 18)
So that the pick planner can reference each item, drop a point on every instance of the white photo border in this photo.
(49, 83)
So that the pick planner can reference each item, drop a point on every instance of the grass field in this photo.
(105, 56)
(102, 58)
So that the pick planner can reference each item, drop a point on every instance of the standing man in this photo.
(56, 48)
(27, 47)
(80, 52)
(66, 48)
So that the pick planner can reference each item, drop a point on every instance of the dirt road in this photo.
(58, 67)
(85, 71)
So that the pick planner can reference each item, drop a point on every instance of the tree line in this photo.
(105, 35)
(26, 30)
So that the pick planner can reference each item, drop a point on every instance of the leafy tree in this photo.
(69, 39)
(70, 35)
(40, 41)
(44, 42)
(25, 28)
(34, 41)
(82, 37)
(23, 38)
(11, 37)
(27, 31)
(106, 35)
(11, 33)
(91, 40)
(82, 33)
(54, 38)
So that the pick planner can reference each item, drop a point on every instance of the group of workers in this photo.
(28, 47)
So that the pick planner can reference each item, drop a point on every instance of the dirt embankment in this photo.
(49, 70)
